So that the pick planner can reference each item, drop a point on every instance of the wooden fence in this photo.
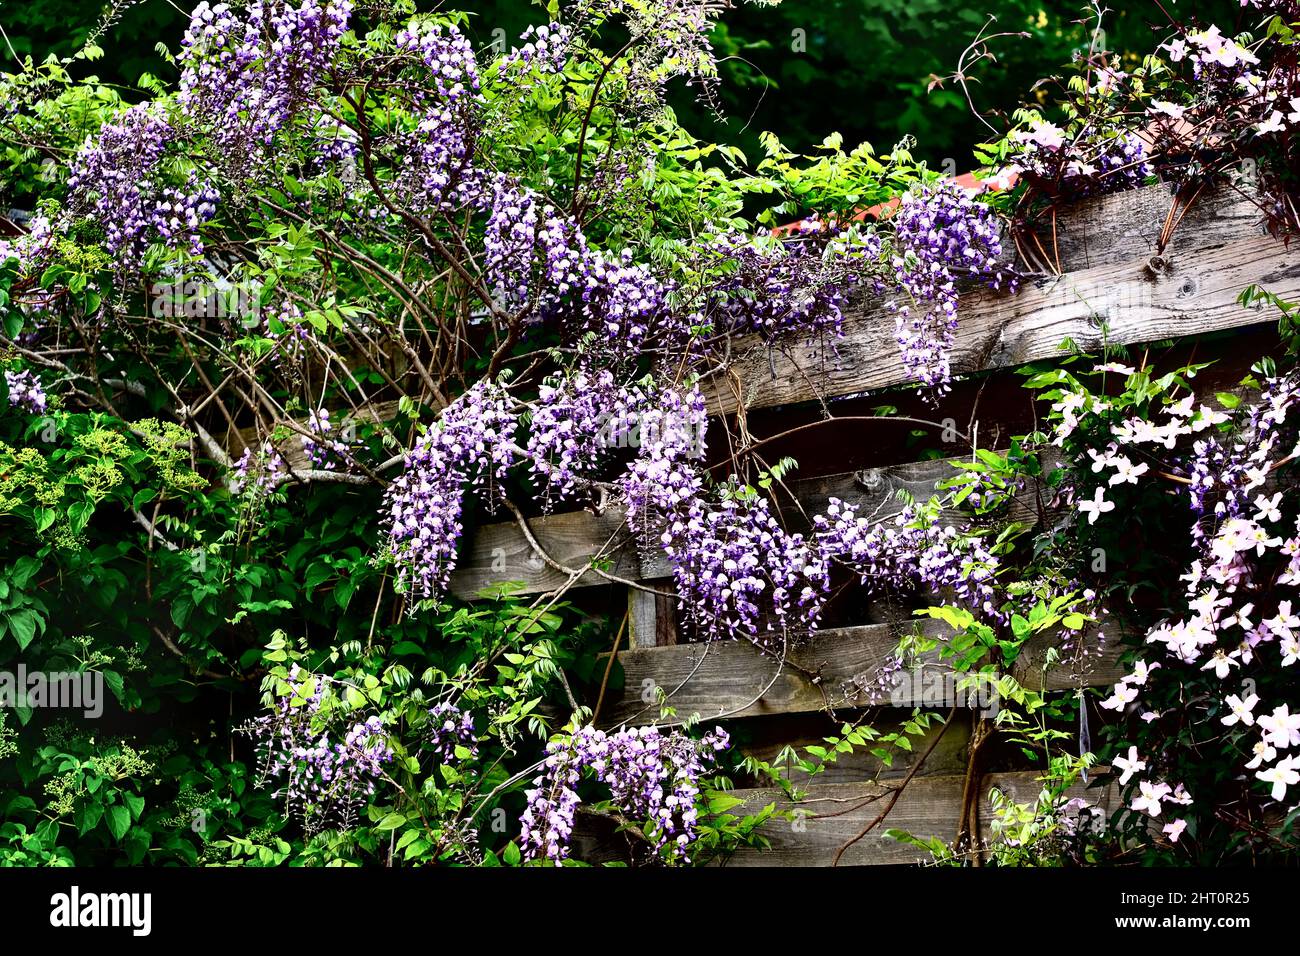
(1125, 269)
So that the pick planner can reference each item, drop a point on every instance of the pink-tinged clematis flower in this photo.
(1240, 710)
(1221, 663)
(1097, 506)
(1129, 765)
(1281, 775)
(1263, 754)
(1281, 728)
(1122, 696)
(1149, 797)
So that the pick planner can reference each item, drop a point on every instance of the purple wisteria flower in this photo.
(451, 727)
(117, 180)
(910, 550)
(652, 776)
(245, 74)
(323, 451)
(941, 234)
(325, 778)
(545, 48)
(26, 392)
(473, 442)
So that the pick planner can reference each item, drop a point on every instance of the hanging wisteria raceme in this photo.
(435, 170)
(575, 422)
(941, 234)
(116, 179)
(246, 73)
(434, 163)
(259, 471)
(283, 324)
(625, 304)
(652, 776)
(664, 479)
(775, 286)
(532, 253)
(26, 392)
(473, 442)
(447, 54)
(1224, 475)
(537, 258)
(908, 551)
(31, 250)
(545, 48)
(451, 727)
(740, 574)
(323, 451)
(323, 779)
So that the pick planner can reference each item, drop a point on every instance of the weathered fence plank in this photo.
(766, 738)
(832, 670)
(929, 806)
(501, 552)
(1122, 305)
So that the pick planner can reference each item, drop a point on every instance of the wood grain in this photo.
(500, 553)
(930, 806)
(1116, 290)
(834, 670)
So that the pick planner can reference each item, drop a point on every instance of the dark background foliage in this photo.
(800, 69)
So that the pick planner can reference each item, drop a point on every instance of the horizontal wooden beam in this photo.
(832, 670)
(930, 806)
(500, 553)
(766, 738)
(1116, 290)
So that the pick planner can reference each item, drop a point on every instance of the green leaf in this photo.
(135, 803)
(119, 821)
(44, 518)
(23, 625)
(391, 822)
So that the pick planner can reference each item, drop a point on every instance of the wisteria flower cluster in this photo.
(325, 776)
(26, 391)
(664, 479)
(737, 569)
(545, 48)
(774, 286)
(435, 159)
(323, 451)
(941, 235)
(32, 250)
(575, 420)
(652, 776)
(117, 180)
(245, 74)
(449, 728)
(536, 258)
(473, 442)
(911, 550)
(260, 470)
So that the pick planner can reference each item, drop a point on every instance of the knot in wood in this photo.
(1158, 265)
(870, 479)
